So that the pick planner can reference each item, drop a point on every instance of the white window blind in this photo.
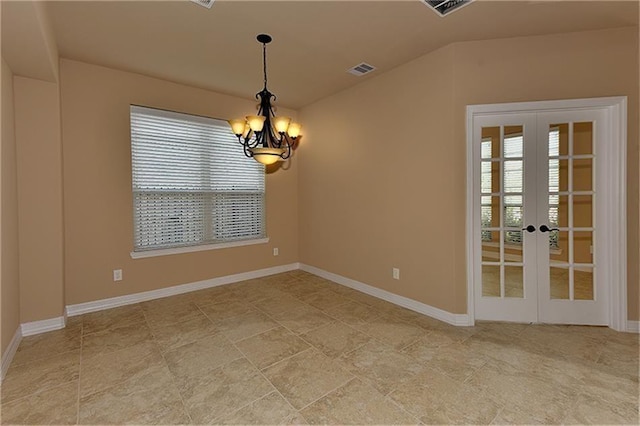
(192, 184)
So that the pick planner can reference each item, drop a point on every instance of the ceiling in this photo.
(314, 42)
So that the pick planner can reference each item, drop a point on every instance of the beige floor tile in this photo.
(166, 314)
(242, 326)
(112, 318)
(272, 409)
(353, 313)
(356, 403)
(113, 339)
(382, 367)
(392, 331)
(424, 393)
(101, 371)
(219, 311)
(200, 357)
(43, 345)
(301, 289)
(306, 377)
(57, 405)
(149, 399)
(171, 336)
(302, 319)
(279, 304)
(543, 401)
(467, 407)
(217, 295)
(325, 299)
(271, 346)
(336, 339)
(26, 379)
(590, 410)
(456, 362)
(223, 391)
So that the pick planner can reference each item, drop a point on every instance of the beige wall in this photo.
(97, 188)
(39, 158)
(9, 276)
(383, 164)
(377, 186)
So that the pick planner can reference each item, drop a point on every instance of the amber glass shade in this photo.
(237, 126)
(256, 122)
(294, 130)
(267, 156)
(281, 124)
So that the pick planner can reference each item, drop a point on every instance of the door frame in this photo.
(614, 219)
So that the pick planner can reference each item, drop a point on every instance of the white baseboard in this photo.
(99, 305)
(9, 353)
(633, 326)
(405, 302)
(37, 327)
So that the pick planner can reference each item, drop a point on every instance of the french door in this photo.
(536, 203)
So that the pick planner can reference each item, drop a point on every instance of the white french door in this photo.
(538, 241)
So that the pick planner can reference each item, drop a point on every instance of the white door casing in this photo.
(609, 114)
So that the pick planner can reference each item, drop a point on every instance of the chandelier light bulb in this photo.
(256, 122)
(294, 130)
(281, 124)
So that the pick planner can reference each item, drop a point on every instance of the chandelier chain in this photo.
(264, 63)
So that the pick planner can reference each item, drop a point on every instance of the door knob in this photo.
(530, 228)
(545, 228)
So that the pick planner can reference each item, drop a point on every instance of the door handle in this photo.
(545, 228)
(530, 228)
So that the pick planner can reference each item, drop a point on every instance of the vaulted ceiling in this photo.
(315, 42)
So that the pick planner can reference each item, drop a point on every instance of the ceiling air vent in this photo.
(204, 3)
(361, 69)
(445, 7)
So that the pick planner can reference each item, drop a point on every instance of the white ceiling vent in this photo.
(445, 7)
(204, 3)
(361, 69)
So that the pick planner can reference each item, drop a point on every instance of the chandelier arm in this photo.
(247, 151)
(287, 153)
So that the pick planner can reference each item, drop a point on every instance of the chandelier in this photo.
(264, 136)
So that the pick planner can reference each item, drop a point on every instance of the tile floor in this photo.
(294, 348)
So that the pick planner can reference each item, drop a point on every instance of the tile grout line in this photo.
(166, 365)
(265, 378)
(80, 372)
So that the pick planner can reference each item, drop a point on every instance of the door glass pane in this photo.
(583, 138)
(559, 281)
(559, 137)
(513, 178)
(491, 280)
(583, 282)
(559, 246)
(513, 286)
(583, 211)
(513, 142)
(583, 174)
(490, 142)
(513, 211)
(583, 247)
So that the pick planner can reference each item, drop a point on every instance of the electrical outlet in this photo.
(396, 273)
(117, 274)
(276, 251)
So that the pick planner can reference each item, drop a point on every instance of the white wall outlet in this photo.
(117, 274)
(396, 273)
(276, 251)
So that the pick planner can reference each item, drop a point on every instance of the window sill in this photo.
(191, 249)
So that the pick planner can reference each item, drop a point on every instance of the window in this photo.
(192, 185)
(514, 186)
